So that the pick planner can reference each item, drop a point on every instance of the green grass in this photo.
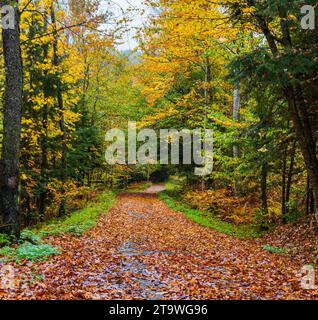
(32, 246)
(173, 199)
(139, 188)
(81, 221)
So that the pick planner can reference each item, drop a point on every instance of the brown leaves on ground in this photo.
(143, 250)
(299, 239)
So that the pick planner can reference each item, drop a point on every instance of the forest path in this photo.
(143, 250)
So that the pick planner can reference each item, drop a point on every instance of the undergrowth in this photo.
(32, 246)
(28, 251)
(140, 187)
(173, 200)
(81, 221)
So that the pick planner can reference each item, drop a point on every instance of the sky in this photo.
(137, 19)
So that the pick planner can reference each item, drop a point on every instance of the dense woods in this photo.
(245, 69)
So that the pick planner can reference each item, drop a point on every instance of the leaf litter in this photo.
(143, 250)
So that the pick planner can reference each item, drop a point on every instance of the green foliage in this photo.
(174, 187)
(35, 278)
(30, 236)
(206, 219)
(293, 213)
(4, 240)
(28, 251)
(6, 253)
(82, 220)
(262, 221)
(33, 252)
(31, 248)
(139, 187)
(32, 245)
(293, 216)
(280, 251)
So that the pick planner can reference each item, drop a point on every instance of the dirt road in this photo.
(143, 250)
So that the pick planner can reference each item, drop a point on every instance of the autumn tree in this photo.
(289, 61)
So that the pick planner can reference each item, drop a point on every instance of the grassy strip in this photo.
(32, 246)
(81, 221)
(173, 201)
(139, 188)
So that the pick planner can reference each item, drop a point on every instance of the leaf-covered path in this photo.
(143, 250)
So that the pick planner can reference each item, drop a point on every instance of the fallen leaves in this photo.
(143, 250)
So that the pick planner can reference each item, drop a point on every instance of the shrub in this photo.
(30, 236)
(5, 240)
(209, 220)
(33, 252)
(81, 221)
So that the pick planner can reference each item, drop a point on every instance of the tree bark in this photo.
(307, 141)
(236, 114)
(60, 104)
(308, 196)
(9, 175)
(284, 178)
(44, 141)
(264, 198)
(207, 102)
(236, 118)
(290, 173)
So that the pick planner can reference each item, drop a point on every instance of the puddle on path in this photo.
(132, 277)
(155, 189)
(136, 215)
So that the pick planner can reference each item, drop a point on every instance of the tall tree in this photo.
(9, 175)
(291, 64)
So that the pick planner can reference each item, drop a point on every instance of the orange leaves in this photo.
(237, 210)
(152, 120)
(143, 250)
(186, 50)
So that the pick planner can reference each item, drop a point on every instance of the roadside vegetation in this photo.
(173, 197)
(32, 244)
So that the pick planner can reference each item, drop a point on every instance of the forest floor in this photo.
(143, 250)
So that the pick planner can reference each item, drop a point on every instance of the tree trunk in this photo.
(299, 114)
(307, 141)
(290, 173)
(44, 141)
(236, 117)
(308, 196)
(236, 114)
(9, 175)
(284, 178)
(264, 201)
(207, 102)
(60, 103)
